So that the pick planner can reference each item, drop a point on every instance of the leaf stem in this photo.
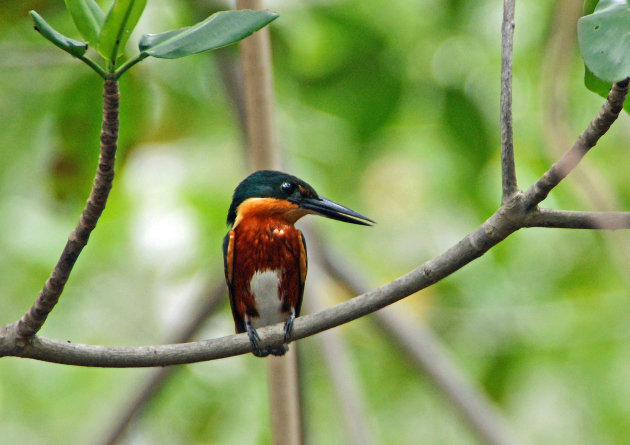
(95, 66)
(120, 71)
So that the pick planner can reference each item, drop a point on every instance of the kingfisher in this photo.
(264, 254)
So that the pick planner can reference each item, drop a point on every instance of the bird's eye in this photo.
(287, 188)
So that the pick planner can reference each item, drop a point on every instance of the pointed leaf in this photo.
(88, 18)
(75, 47)
(218, 30)
(604, 38)
(120, 21)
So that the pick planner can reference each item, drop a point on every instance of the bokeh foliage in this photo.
(391, 110)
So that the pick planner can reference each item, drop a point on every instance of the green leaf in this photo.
(75, 47)
(218, 30)
(120, 21)
(605, 40)
(589, 6)
(88, 18)
(595, 84)
(599, 87)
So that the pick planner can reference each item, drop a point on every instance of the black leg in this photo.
(254, 340)
(288, 326)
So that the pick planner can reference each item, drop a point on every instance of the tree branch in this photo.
(334, 350)
(587, 140)
(491, 232)
(508, 169)
(258, 86)
(565, 219)
(33, 320)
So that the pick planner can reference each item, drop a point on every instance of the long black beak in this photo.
(330, 209)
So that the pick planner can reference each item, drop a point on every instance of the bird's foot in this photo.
(288, 326)
(254, 339)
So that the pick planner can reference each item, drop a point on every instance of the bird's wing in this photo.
(228, 263)
(303, 269)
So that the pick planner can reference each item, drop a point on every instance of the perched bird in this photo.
(265, 255)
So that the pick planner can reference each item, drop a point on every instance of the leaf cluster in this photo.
(108, 34)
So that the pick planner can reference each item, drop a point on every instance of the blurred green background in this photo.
(388, 107)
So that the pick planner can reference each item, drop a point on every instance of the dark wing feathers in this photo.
(228, 261)
(303, 270)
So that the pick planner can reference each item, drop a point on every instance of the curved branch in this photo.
(565, 219)
(491, 232)
(508, 169)
(587, 140)
(33, 320)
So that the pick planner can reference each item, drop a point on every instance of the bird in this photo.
(264, 254)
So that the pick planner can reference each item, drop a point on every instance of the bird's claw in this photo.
(254, 339)
(288, 327)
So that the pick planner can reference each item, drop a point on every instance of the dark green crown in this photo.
(269, 184)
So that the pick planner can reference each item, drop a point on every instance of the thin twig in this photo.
(33, 320)
(425, 349)
(508, 169)
(587, 140)
(157, 378)
(565, 219)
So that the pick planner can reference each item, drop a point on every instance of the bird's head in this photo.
(274, 194)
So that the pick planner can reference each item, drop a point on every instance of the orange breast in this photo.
(266, 244)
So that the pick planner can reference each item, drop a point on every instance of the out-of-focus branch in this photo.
(33, 320)
(335, 352)
(284, 395)
(508, 169)
(232, 79)
(258, 89)
(157, 378)
(284, 398)
(427, 352)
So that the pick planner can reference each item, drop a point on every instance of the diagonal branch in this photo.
(33, 320)
(344, 377)
(508, 170)
(565, 219)
(587, 140)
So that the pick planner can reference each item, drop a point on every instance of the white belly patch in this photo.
(265, 288)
